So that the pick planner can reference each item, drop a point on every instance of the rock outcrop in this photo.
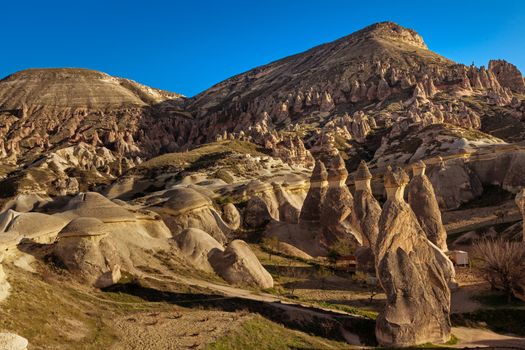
(11, 341)
(237, 264)
(185, 207)
(104, 239)
(422, 200)
(455, 182)
(197, 246)
(256, 213)
(413, 274)
(231, 216)
(507, 75)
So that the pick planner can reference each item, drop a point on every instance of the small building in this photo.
(459, 257)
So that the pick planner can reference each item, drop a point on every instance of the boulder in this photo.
(237, 264)
(422, 200)
(196, 246)
(11, 341)
(413, 274)
(231, 216)
(256, 213)
(109, 278)
(290, 250)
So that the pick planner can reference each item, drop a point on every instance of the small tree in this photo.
(271, 244)
(500, 215)
(502, 263)
(341, 247)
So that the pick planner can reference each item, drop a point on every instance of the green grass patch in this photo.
(260, 333)
(349, 309)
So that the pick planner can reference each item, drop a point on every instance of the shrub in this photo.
(502, 263)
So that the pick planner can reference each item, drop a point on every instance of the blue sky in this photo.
(187, 46)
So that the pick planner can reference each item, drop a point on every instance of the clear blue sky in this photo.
(187, 46)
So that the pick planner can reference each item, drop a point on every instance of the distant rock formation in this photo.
(507, 75)
(413, 274)
(422, 200)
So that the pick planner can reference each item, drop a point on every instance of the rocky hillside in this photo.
(363, 92)
(371, 80)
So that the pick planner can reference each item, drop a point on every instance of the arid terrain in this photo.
(366, 193)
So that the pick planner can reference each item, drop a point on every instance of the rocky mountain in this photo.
(379, 94)
(378, 79)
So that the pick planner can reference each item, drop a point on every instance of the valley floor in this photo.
(173, 310)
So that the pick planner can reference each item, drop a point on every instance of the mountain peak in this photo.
(392, 32)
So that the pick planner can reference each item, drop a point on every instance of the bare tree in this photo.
(501, 262)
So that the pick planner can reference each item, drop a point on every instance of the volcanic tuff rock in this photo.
(196, 245)
(237, 264)
(413, 273)
(367, 208)
(231, 216)
(185, 207)
(422, 200)
(367, 214)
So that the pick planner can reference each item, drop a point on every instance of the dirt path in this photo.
(463, 303)
(474, 337)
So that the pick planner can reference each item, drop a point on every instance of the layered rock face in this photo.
(413, 274)
(422, 200)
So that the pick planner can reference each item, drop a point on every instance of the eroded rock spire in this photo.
(413, 272)
(422, 200)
